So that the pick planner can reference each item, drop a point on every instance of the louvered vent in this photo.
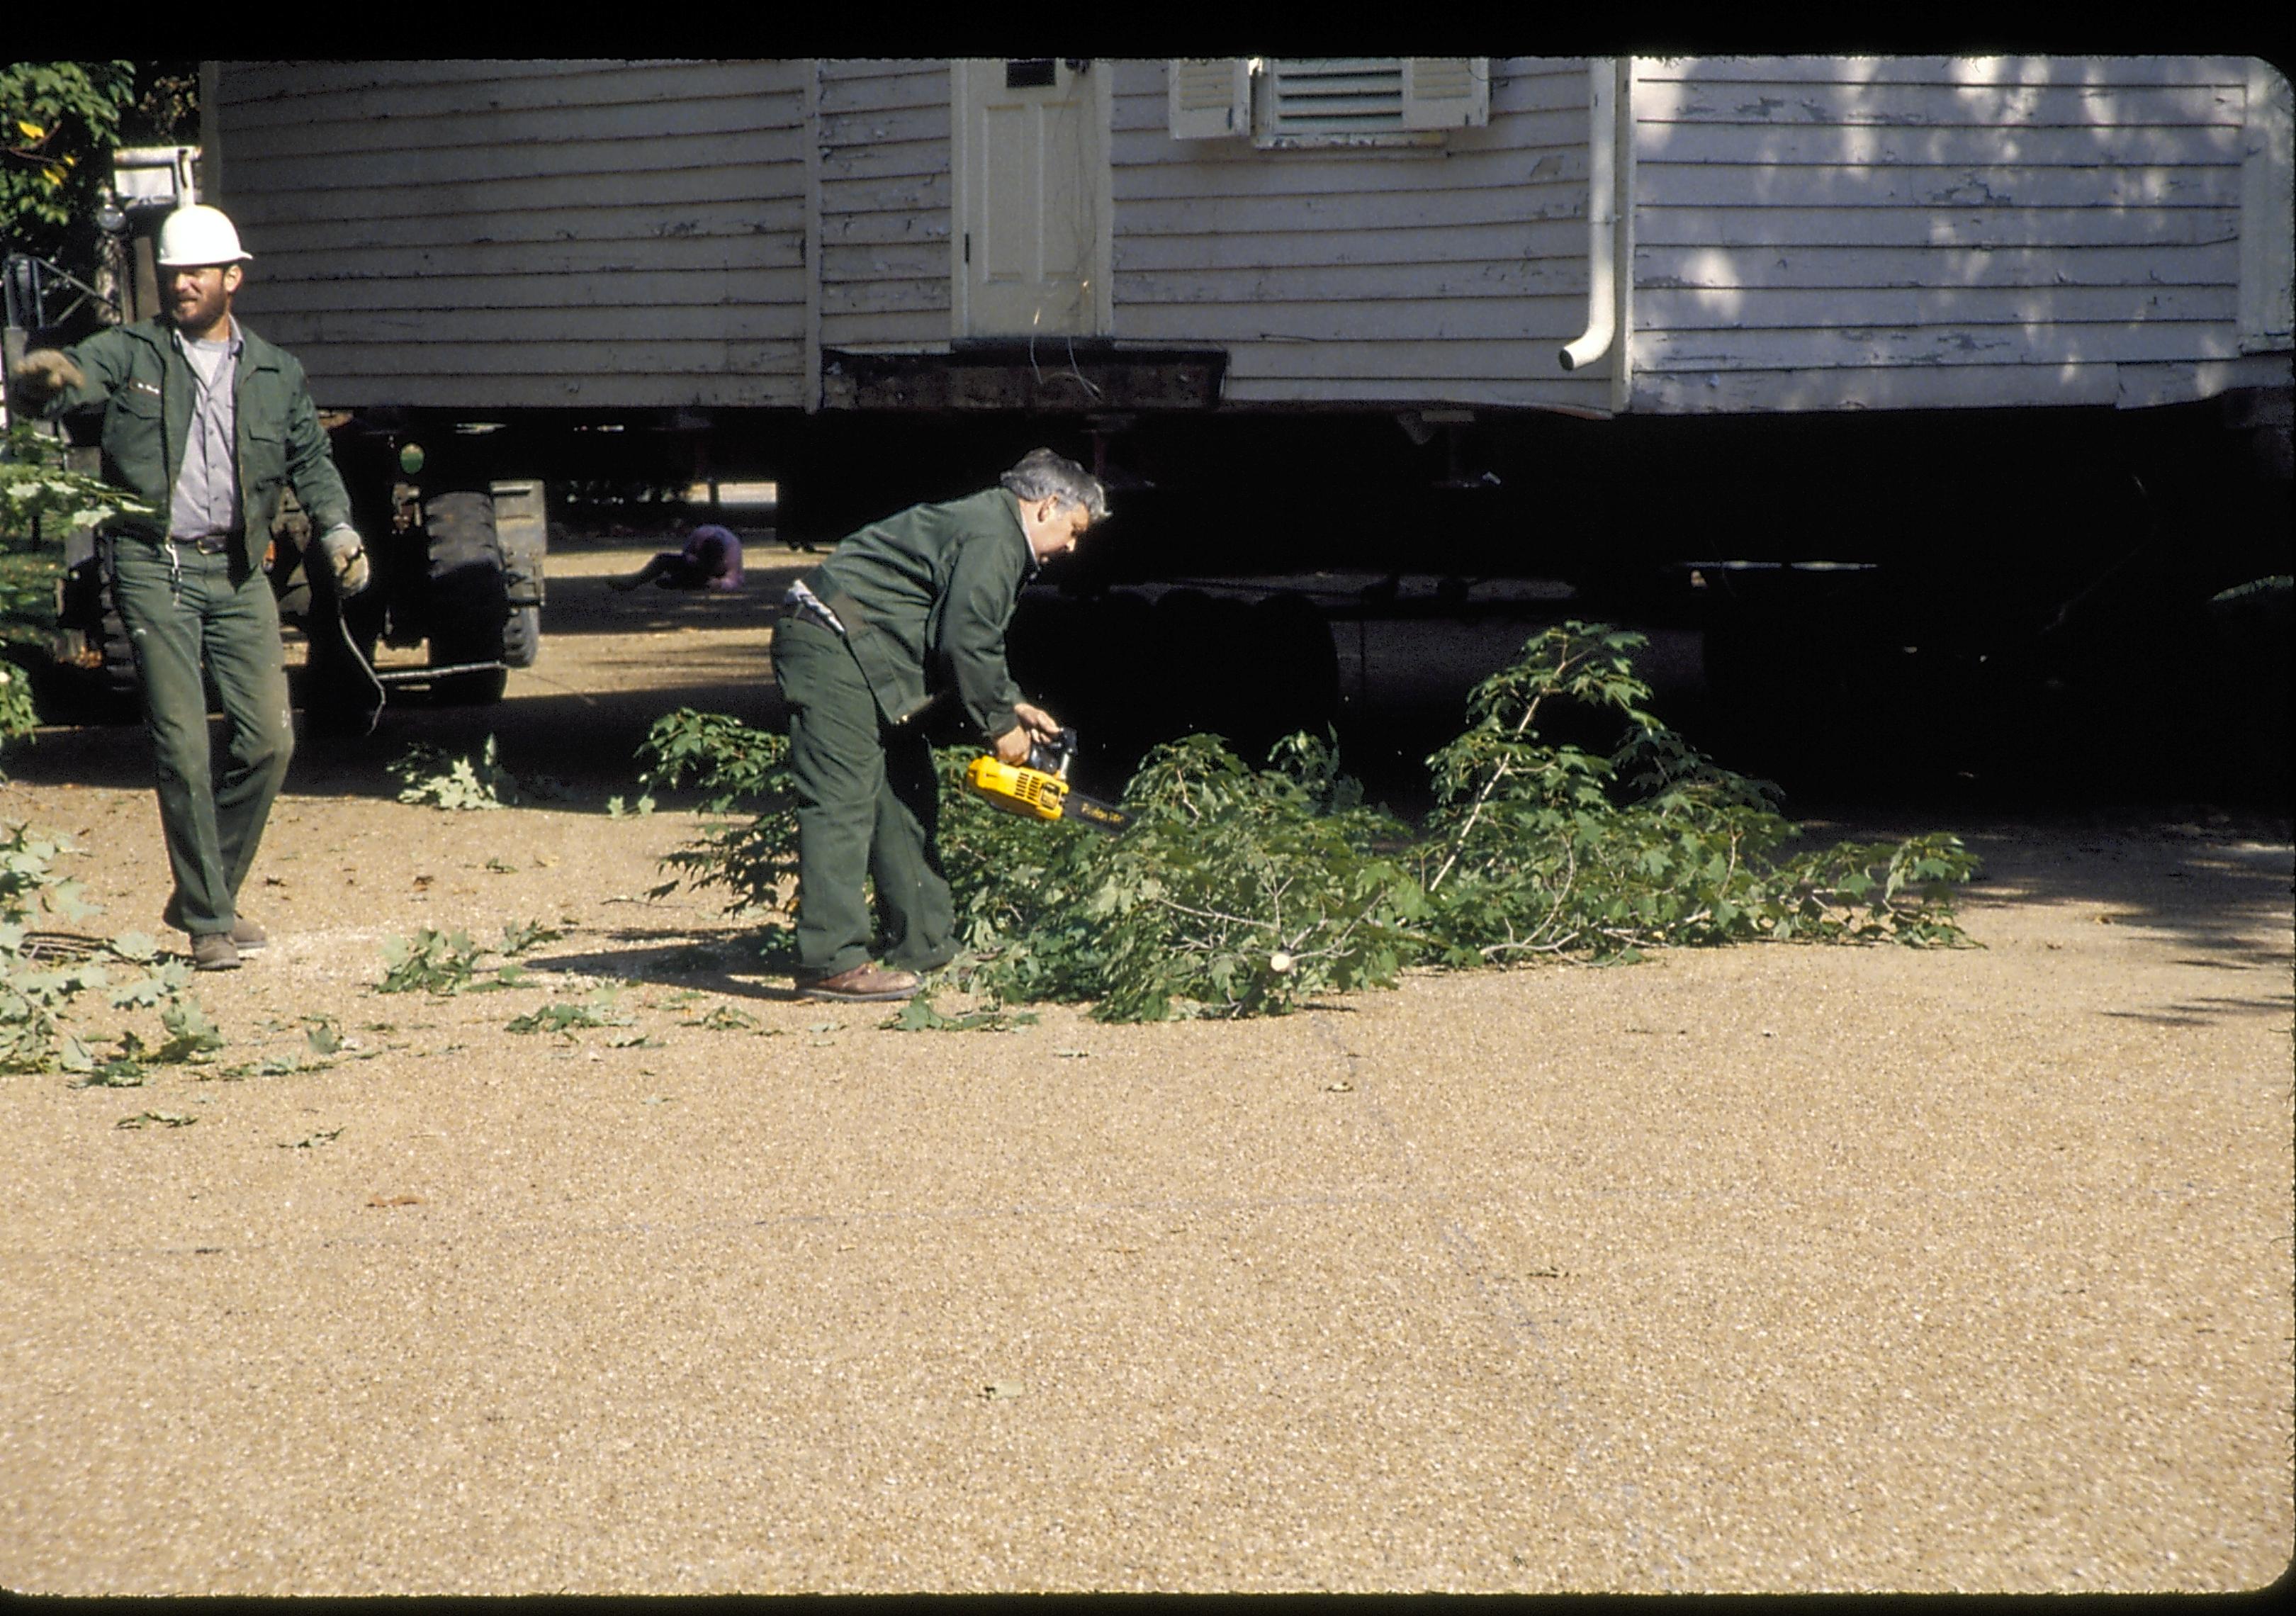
(1351, 95)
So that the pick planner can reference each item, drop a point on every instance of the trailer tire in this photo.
(522, 635)
(468, 597)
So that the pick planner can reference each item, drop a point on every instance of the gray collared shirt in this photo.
(206, 499)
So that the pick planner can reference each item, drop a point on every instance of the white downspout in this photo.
(1602, 217)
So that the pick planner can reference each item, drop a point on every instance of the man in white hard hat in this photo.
(204, 422)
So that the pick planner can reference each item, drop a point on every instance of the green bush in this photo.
(1242, 891)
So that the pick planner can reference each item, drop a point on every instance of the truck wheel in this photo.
(468, 597)
(522, 635)
(522, 533)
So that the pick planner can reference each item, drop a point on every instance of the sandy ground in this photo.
(1761, 1269)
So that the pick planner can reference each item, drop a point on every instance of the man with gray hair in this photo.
(902, 614)
(204, 422)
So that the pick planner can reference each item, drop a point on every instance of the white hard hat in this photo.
(195, 236)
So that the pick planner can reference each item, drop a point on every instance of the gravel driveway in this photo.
(1767, 1268)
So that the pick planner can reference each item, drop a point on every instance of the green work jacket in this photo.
(144, 388)
(925, 598)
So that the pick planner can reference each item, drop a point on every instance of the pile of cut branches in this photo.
(1243, 891)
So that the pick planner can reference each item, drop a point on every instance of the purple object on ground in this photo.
(715, 554)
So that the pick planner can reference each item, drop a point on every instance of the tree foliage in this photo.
(1242, 891)
(60, 123)
(44, 975)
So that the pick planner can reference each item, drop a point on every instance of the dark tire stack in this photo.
(522, 530)
(468, 597)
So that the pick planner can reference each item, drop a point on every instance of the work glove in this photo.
(41, 374)
(347, 555)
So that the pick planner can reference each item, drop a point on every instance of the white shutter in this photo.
(1207, 99)
(1445, 92)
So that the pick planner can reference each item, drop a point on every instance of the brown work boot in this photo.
(246, 936)
(864, 984)
(214, 951)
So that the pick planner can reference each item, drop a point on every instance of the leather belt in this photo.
(208, 544)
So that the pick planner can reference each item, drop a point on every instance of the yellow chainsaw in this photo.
(1039, 789)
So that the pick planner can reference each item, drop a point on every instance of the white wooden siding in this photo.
(1845, 232)
(1806, 234)
(884, 135)
(500, 234)
(1442, 274)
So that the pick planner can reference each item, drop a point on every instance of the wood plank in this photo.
(922, 193)
(664, 236)
(366, 288)
(1833, 146)
(1782, 228)
(1460, 322)
(501, 208)
(613, 261)
(1947, 346)
(1577, 395)
(2215, 264)
(1870, 185)
(885, 229)
(1480, 242)
(877, 86)
(1772, 392)
(633, 119)
(916, 260)
(2144, 386)
(2042, 71)
(1347, 174)
(731, 388)
(844, 298)
(893, 160)
(300, 93)
(872, 129)
(411, 355)
(1561, 129)
(1735, 310)
(1935, 106)
(1522, 359)
(554, 330)
(1314, 214)
(509, 167)
(241, 81)
(886, 329)
(1501, 279)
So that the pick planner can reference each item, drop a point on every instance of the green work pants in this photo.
(185, 609)
(867, 804)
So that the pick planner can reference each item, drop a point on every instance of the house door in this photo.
(1031, 196)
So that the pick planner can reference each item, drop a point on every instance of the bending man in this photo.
(901, 614)
(204, 422)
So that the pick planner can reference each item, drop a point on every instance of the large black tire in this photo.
(522, 533)
(522, 635)
(468, 597)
